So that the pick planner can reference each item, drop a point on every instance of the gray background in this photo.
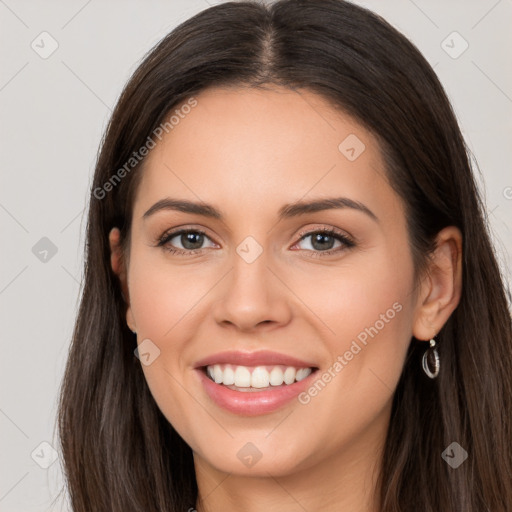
(53, 113)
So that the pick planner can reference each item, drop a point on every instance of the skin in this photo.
(248, 152)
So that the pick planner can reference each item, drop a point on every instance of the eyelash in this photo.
(344, 239)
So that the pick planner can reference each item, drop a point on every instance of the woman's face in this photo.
(264, 288)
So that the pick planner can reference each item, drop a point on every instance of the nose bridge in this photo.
(251, 294)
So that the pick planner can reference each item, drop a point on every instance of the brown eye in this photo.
(323, 242)
(191, 241)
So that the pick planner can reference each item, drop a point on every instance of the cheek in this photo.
(366, 313)
(163, 297)
(166, 302)
(358, 294)
(370, 314)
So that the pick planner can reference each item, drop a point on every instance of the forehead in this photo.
(276, 145)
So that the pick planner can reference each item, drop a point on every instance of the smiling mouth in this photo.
(256, 378)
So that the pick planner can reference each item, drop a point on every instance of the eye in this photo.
(323, 242)
(191, 241)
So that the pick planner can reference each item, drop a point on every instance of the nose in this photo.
(252, 297)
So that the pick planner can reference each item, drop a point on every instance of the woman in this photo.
(291, 301)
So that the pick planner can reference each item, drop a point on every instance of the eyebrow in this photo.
(285, 212)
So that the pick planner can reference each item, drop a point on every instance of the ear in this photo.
(118, 264)
(441, 287)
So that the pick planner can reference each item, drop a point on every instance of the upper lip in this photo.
(259, 358)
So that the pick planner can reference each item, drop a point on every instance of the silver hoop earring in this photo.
(431, 359)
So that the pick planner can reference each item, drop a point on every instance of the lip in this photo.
(260, 358)
(252, 403)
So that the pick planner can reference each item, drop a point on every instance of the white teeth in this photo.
(276, 377)
(242, 377)
(289, 375)
(218, 374)
(256, 377)
(260, 378)
(229, 376)
(302, 374)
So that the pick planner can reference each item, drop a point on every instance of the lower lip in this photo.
(252, 403)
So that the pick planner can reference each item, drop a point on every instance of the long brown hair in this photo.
(119, 451)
